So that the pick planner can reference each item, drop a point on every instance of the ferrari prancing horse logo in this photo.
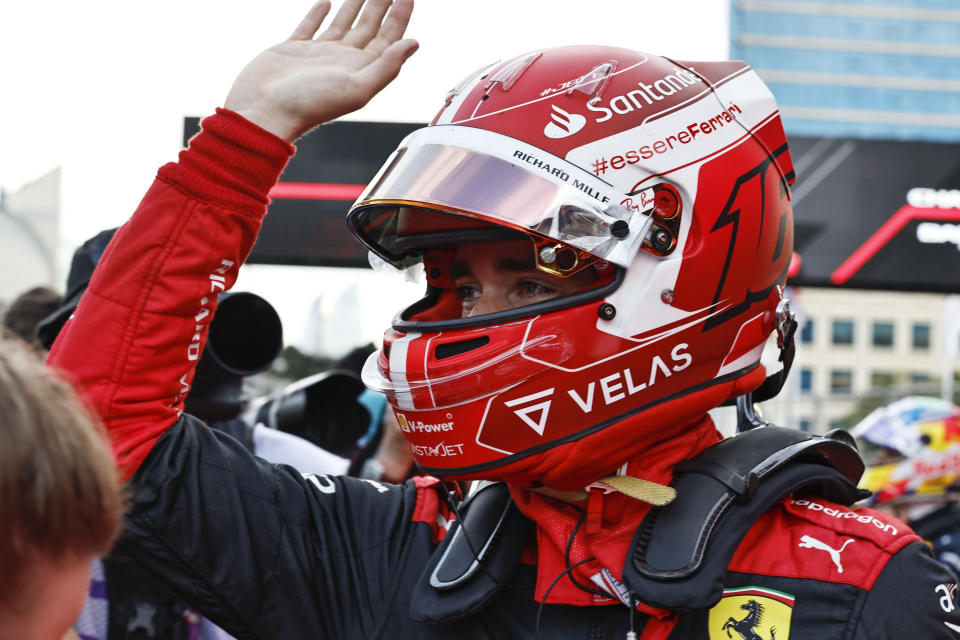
(751, 613)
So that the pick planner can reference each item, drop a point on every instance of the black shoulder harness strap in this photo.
(680, 553)
(465, 571)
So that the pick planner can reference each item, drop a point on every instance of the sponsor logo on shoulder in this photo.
(845, 514)
(809, 542)
(563, 123)
(322, 482)
(948, 599)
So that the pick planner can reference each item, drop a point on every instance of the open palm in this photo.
(306, 81)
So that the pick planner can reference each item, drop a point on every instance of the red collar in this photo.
(601, 527)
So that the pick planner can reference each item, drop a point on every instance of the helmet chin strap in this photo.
(653, 493)
(637, 488)
(644, 490)
(748, 417)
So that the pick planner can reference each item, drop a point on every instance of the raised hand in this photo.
(306, 81)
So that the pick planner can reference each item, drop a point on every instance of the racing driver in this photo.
(604, 237)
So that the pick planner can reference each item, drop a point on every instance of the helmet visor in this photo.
(491, 178)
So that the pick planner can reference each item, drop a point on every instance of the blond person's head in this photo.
(61, 503)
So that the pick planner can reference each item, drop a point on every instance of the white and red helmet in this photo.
(669, 179)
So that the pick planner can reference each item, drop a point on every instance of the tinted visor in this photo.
(480, 176)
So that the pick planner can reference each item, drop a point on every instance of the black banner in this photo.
(877, 214)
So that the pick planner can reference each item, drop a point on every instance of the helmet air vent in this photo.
(451, 349)
(593, 82)
(511, 72)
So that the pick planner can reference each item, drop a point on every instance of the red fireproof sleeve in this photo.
(133, 342)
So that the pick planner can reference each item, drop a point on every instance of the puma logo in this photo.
(809, 542)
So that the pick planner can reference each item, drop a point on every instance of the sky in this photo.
(100, 89)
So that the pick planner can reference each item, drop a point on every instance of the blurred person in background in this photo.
(26, 311)
(913, 452)
(383, 453)
(593, 289)
(61, 502)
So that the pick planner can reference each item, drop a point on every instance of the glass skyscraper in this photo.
(882, 69)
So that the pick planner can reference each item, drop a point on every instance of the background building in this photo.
(860, 69)
(858, 350)
(857, 68)
(29, 225)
